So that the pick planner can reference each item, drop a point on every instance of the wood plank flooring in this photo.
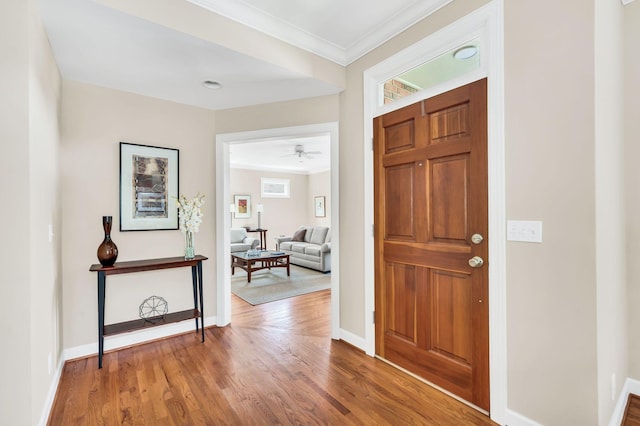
(275, 364)
(632, 412)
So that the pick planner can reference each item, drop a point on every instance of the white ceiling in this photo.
(339, 30)
(96, 44)
(279, 155)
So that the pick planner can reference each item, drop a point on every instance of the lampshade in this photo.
(260, 208)
(232, 208)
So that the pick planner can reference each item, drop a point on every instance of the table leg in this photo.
(288, 267)
(194, 283)
(201, 298)
(101, 291)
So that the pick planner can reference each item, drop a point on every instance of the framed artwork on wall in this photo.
(320, 207)
(148, 187)
(243, 206)
(275, 188)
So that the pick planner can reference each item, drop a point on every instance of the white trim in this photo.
(51, 395)
(487, 23)
(630, 386)
(136, 337)
(512, 418)
(283, 30)
(223, 221)
(352, 339)
(626, 2)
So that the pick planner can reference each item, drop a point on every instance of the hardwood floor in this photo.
(632, 412)
(275, 364)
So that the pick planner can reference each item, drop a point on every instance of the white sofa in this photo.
(240, 241)
(314, 251)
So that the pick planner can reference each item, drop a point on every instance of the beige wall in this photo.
(44, 195)
(15, 291)
(632, 153)
(281, 216)
(94, 121)
(319, 184)
(322, 109)
(29, 85)
(550, 176)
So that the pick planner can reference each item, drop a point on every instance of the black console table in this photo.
(149, 265)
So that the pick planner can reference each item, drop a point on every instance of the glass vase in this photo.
(189, 248)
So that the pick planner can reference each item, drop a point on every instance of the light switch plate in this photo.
(529, 231)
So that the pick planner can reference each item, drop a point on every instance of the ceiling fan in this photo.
(300, 152)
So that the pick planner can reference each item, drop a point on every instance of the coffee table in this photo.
(264, 260)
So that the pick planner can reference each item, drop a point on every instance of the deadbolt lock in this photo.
(476, 238)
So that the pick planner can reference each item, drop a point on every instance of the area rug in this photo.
(270, 285)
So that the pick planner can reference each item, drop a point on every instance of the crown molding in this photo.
(343, 55)
(626, 2)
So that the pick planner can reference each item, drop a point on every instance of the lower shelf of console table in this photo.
(139, 324)
(169, 318)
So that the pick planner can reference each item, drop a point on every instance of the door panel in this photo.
(399, 187)
(402, 288)
(430, 184)
(449, 190)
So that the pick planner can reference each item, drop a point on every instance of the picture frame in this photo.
(275, 188)
(319, 203)
(243, 206)
(149, 187)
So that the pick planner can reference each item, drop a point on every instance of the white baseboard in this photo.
(134, 338)
(51, 395)
(516, 419)
(352, 339)
(630, 386)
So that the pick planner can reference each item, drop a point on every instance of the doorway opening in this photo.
(224, 145)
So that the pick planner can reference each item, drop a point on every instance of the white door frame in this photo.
(486, 23)
(223, 216)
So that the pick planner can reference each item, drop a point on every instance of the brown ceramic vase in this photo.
(107, 251)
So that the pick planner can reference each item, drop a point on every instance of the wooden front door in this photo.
(430, 183)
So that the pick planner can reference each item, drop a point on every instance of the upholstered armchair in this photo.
(240, 241)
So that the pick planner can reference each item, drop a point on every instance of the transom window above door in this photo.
(455, 62)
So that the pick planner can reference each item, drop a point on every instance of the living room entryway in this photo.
(277, 203)
(431, 240)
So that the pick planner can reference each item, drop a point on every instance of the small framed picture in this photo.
(148, 187)
(243, 206)
(320, 207)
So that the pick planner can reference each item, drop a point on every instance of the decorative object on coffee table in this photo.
(190, 218)
(107, 250)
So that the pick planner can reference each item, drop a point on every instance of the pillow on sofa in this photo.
(319, 235)
(299, 235)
